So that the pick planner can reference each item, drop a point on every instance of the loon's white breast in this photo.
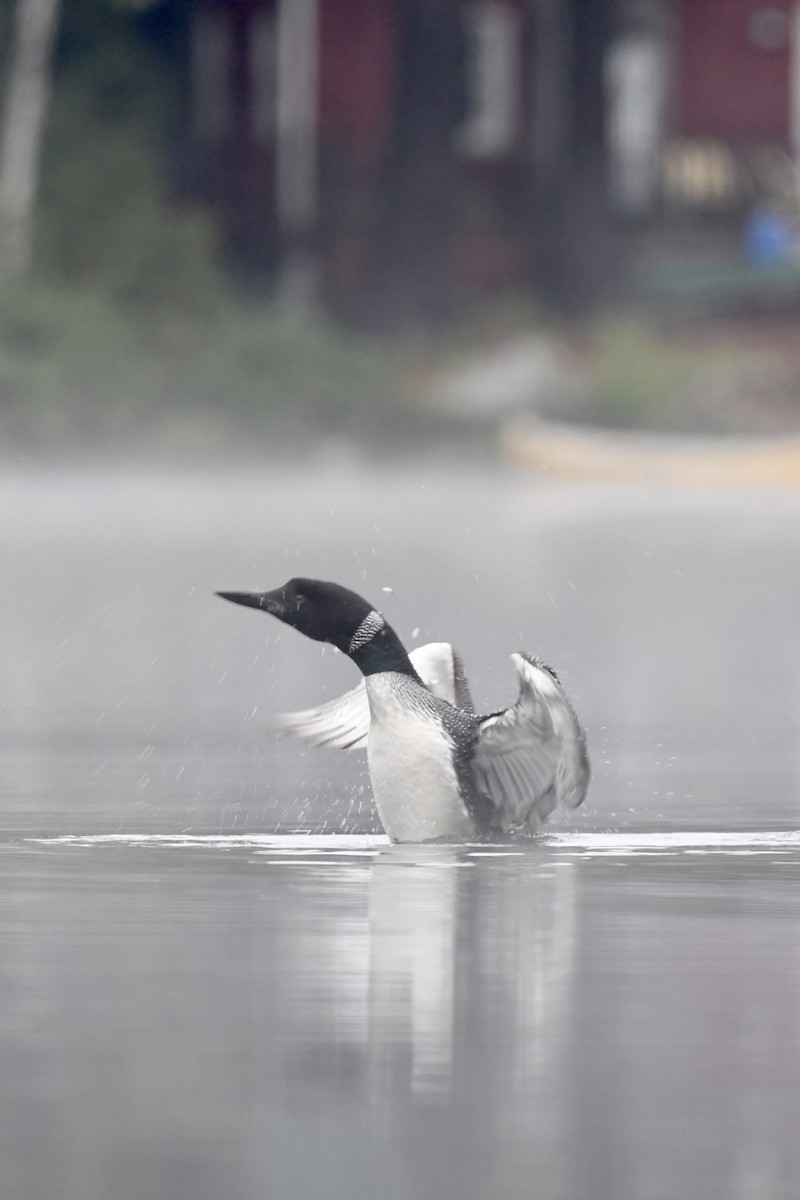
(411, 764)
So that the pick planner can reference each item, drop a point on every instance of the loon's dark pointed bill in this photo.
(250, 599)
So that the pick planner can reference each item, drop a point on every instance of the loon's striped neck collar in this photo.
(379, 648)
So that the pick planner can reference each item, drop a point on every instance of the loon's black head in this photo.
(325, 612)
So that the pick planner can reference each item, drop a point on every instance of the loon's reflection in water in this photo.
(612, 1015)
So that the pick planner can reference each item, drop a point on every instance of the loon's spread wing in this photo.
(440, 668)
(533, 755)
(343, 723)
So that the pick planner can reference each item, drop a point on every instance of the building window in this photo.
(768, 28)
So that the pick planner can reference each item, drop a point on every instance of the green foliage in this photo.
(80, 373)
(124, 239)
(638, 379)
(129, 335)
(106, 220)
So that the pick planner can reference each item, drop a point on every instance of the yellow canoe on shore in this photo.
(579, 452)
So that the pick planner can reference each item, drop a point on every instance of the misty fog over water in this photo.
(136, 699)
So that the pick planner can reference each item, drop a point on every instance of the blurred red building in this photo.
(292, 107)
(734, 63)
(291, 110)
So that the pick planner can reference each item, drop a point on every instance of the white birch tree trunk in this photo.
(29, 73)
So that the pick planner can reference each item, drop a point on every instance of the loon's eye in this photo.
(299, 600)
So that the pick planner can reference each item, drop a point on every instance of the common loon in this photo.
(438, 770)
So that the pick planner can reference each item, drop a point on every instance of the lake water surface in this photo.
(220, 982)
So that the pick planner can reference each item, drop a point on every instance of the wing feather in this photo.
(343, 723)
(533, 755)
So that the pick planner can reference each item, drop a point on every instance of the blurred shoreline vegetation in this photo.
(128, 333)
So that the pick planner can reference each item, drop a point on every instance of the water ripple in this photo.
(563, 847)
(677, 842)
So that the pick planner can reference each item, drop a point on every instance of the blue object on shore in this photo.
(768, 238)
